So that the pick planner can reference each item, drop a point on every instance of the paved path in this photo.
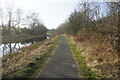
(61, 64)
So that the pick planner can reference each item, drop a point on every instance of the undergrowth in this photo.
(84, 70)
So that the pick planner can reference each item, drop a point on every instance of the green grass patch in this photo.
(33, 68)
(84, 70)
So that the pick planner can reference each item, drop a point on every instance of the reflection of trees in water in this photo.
(19, 46)
(4, 48)
(10, 48)
(14, 47)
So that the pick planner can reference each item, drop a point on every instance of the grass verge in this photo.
(84, 70)
(32, 69)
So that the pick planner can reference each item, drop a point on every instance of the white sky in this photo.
(52, 12)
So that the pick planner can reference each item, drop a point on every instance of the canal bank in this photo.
(15, 62)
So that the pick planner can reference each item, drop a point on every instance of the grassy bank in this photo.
(22, 38)
(84, 70)
(32, 69)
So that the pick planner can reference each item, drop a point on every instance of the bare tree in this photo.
(2, 18)
(18, 17)
(32, 19)
(9, 10)
(14, 17)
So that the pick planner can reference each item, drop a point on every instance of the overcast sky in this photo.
(52, 12)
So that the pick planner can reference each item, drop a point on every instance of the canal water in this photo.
(12, 47)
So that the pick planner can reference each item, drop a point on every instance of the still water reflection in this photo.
(12, 47)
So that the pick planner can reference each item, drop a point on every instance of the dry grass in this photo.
(99, 52)
(15, 61)
(84, 70)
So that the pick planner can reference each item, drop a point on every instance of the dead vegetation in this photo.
(99, 52)
(16, 61)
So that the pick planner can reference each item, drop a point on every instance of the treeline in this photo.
(16, 21)
(39, 29)
(93, 17)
